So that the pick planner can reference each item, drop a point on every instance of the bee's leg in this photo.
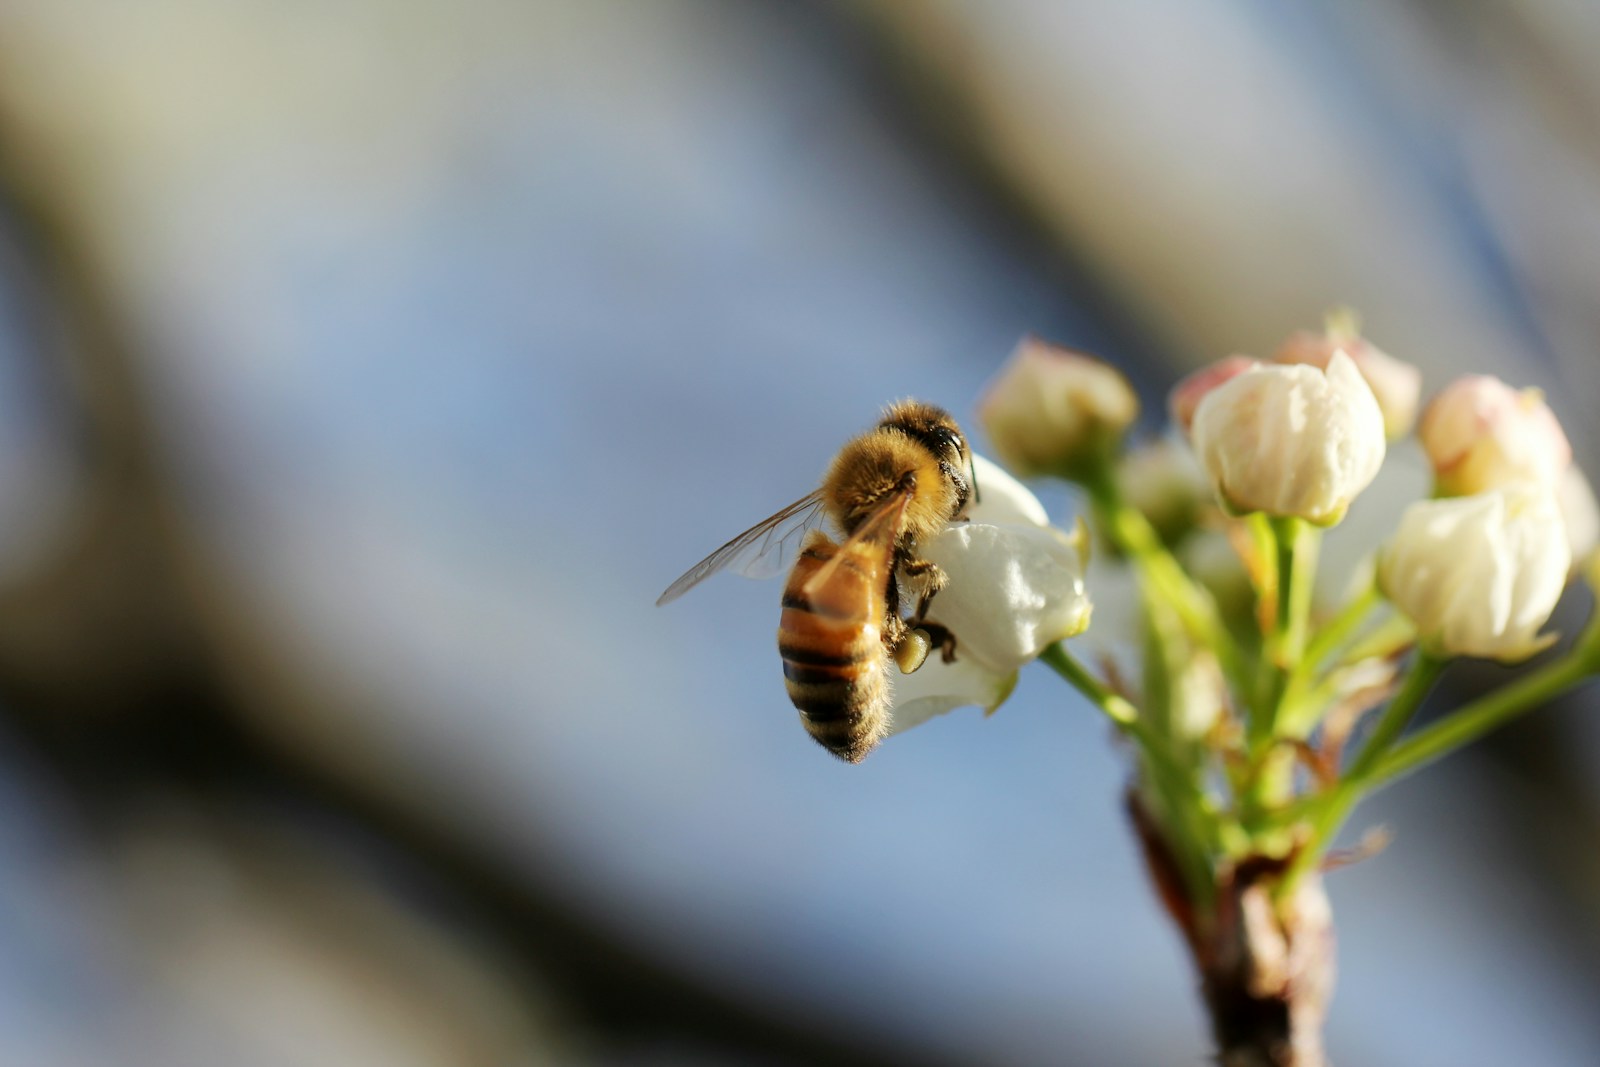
(927, 574)
(894, 627)
(930, 578)
(894, 631)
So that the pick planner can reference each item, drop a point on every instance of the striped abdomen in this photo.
(831, 641)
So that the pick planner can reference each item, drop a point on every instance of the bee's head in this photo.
(934, 429)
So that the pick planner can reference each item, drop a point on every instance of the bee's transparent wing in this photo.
(764, 550)
(879, 531)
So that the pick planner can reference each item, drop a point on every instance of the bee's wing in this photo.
(762, 551)
(878, 532)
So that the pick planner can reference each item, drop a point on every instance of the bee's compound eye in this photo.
(947, 438)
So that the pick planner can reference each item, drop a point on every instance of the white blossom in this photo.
(1396, 385)
(1479, 575)
(1015, 587)
(1291, 441)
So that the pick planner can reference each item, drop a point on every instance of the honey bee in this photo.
(894, 486)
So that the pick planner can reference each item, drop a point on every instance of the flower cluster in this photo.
(1213, 533)
(1259, 708)
(1291, 441)
(1260, 451)
(1258, 714)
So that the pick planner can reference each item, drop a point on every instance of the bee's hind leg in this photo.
(941, 638)
(930, 579)
(915, 639)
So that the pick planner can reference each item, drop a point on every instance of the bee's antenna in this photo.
(972, 465)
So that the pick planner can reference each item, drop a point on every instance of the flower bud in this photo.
(1051, 410)
(1480, 434)
(1291, 441)
(1479, 575)
(1190, 390)
(1396, 385)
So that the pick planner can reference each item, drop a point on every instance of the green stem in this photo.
(1172, 782)
(1133, 534)
(1269, 551)
(1116, 707)
(1295, 543)
(1340, 628)
(1336, 808)
(1389, 638)
(1305, 544)
(1166, 644)
(1487, 713)
(1425, 670)
(1307, 697)
(1264, 540)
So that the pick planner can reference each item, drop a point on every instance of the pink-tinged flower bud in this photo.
(1479, 575)
(1294, 442)
(1051, 410)
(1396, 385)
(1480, 434)
(1187, 394)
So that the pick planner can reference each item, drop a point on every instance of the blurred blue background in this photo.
(367, 368)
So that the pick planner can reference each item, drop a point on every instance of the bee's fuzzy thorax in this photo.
(871, 467)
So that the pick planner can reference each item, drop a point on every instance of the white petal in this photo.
(1114, 588)
(1481, 434)
(937, 687)
(1015, 586)
(1003, 499)
(1013, 590)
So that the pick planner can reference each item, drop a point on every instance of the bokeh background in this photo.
(368, 367)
